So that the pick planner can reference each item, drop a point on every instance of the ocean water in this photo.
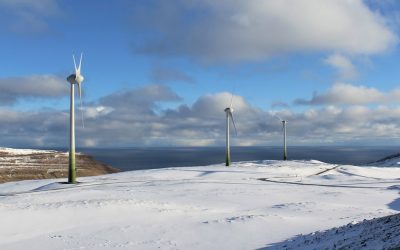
(156, 157)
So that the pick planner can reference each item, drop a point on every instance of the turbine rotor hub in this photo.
(79, 79)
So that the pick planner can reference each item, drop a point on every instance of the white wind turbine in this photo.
(73, 79)
(284, 122)
(229, 117)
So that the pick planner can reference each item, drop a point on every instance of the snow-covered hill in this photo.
(27, 164)
(389, 161)
(250, 205)
(379, 233)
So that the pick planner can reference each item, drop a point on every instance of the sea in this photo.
(138, 158)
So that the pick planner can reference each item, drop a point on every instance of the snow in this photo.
(15, 151)
(250, 205)
(390, 161)
(379, 233)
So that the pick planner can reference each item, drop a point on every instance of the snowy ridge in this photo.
(378, 233)
(205, 207)
(15, 151)
(390, 161)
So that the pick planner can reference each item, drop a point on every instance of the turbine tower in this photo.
(284, 122)
(73, 79)
(229, 117)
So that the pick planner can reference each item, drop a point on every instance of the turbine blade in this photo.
(80, 64)
(233, 122)
(230, 105)
(80, 97)
(73, 57)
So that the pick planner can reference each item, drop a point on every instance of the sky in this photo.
(161, 73)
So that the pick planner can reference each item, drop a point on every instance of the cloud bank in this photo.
(13, 89)
(26, 16)
(235, 30)
(346, 69)
(167, 75)
(136, 118)
(348, 94)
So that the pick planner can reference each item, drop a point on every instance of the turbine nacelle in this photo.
(230, 110)
(284, 123)
(71, 78)
(75, 79)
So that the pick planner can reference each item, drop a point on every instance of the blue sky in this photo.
(161, 72)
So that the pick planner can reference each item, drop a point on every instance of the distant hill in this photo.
(27, 164)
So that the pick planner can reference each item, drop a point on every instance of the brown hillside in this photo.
(22, 164)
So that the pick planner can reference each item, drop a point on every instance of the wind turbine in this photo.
(229, 117)
(284, 122)
(73, 79)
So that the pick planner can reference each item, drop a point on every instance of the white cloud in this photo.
(236, 30)
(203, 123)
(129, 123)
(162, 74)
(143, 99)
(346, 68)
(26, 16)
(96, 111)
(348, 94)
(36, 86)
(90, 143)
(215, 104)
